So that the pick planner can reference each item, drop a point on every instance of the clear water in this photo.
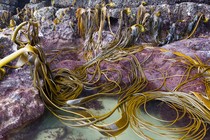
(50, 128)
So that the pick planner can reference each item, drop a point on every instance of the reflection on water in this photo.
(50, 128)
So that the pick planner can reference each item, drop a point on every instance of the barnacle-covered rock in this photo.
(119, 3)
(56, 24)
(65, 14)
(46, 13)
(59, 35)
(19, 100)
(180, 18)
(36, 6)
(59, 30)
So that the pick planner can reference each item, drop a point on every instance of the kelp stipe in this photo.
(60, 89)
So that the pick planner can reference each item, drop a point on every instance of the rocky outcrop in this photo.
(61, 24)
(57, 27)
(46, 13)
(20, 103)
(19, 100)
(119, 3)
(8, 5)
(155, 69)
(36, 6)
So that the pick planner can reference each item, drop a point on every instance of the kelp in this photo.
(194, 129)
(62, 89)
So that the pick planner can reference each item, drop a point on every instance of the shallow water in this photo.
(50, 128)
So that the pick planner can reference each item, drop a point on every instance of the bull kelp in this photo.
(117, 70)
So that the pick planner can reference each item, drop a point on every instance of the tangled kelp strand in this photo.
(177, 100)
(131, 90)
(79, 116)
(31, 33)
(194, 24)
(62, 89)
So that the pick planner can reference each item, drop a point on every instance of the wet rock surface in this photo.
(20, 103)
(19, 100)
(154, 68)
(46, 13)
(120, 3)
(61, 24)
(37, 5)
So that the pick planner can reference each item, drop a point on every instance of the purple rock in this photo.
(19, 100)
(155, 64)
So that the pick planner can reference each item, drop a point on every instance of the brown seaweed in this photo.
(60, 89)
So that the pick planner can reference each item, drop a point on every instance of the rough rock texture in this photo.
(58, 133)
(9, 5)
(170, 14)
(46, 13)
(120, 3)
(19, 100)
(154, 68)
(57, 35)
(35, 1)
(63, 30)
(61, 24)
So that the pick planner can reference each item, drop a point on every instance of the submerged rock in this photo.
(51, 134)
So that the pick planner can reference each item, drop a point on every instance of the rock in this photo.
(57, 33)
(155, 64)
(119, 3)
(65, 14)
(19, 100)
(35, 1)
(66, 28)
(8, 2)
(187, 11)
(51, 134)
(62, 31)
(107, 38)
(46, 13)
(61, 4)
(36, 6)
(8, 5)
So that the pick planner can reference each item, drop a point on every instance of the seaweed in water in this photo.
(60, 88)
